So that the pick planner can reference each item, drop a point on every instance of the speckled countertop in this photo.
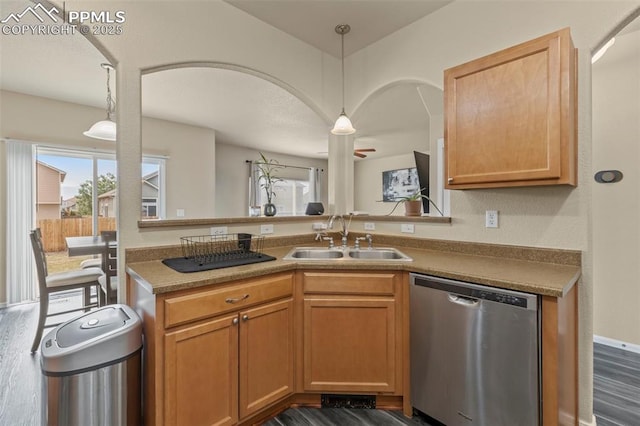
(549, 276)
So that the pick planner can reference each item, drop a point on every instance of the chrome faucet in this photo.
(367, 237)
(345, 228)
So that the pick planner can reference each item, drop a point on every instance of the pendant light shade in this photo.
(343, 125)
(105, 129)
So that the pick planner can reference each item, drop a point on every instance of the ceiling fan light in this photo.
(105, 130)
(343, 125)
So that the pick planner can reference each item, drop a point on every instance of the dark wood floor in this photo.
(616, 383)
(616, 386)
(342, 417)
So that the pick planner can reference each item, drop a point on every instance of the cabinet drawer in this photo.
(349, 283)
(195, 306)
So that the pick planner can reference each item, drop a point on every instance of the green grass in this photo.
(60, 261)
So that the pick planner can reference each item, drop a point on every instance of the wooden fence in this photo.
(54, 231)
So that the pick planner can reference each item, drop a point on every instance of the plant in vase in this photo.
(413, 204)
(267, 180)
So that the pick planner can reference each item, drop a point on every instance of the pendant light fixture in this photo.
(105, 129)
(343, 125)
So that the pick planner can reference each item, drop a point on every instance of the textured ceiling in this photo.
(314, 21)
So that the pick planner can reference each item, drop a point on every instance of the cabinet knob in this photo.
(235, 321)
(450, 180)
(245, 317)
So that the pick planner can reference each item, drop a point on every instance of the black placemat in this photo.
(182, 264)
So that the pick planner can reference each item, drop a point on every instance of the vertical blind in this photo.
(20, 274)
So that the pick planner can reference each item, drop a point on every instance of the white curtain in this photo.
(20, 194)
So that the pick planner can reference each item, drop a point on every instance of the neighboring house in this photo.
(70, 206)
(107, 201)
(150, 188)
(107, 204)
(48, 196)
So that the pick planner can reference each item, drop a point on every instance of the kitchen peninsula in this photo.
(237, 345)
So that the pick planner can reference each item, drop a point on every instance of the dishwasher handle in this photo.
(461, 300)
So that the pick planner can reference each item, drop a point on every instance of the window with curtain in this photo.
(298, 186)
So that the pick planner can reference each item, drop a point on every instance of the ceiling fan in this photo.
(358, 152)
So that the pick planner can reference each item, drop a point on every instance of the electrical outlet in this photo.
(180, 213)
(219, 230)
(369, 226)
(407, 228)
(491, 219)
(266, 229)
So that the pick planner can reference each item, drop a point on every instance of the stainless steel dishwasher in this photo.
(474, 353)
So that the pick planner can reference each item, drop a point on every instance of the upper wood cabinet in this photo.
(510, 117)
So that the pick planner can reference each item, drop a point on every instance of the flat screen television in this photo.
(422, 166)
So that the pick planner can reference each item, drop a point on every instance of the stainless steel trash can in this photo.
(91, 367)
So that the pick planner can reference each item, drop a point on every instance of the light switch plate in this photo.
(219, 230)
(408, 228)
(369, 226)
(266, 229)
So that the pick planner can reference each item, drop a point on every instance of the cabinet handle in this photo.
(245, 317)
(235, 321)
(236, 299)
(450, 180)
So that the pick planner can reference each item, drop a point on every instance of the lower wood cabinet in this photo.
(229, 368)
(201, 374)
(352, 340)
(349, 344)
(217, 355)
(266, 356)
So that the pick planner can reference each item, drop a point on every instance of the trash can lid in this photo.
(92, 340)
(87, 327)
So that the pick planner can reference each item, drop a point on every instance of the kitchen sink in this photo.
(349, 254)
(386, 253)
(314, 253)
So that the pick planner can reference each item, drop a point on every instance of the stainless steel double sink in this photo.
(339, 253)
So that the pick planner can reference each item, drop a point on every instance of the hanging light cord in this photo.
(110, 101)
(342, 43)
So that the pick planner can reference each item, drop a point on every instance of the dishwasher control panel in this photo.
(476, 291)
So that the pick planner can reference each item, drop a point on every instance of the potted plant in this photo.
(413, 204)
(267, 179)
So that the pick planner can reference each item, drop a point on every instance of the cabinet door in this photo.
(266, 355)
(201, 374)
(349, 344)
(510, 116)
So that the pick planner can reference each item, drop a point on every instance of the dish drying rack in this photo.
(207, 252)
(222, 249)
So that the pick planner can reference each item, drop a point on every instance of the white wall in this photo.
(232, 189)
(368, 183)
(616, 206)
(190, 167)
